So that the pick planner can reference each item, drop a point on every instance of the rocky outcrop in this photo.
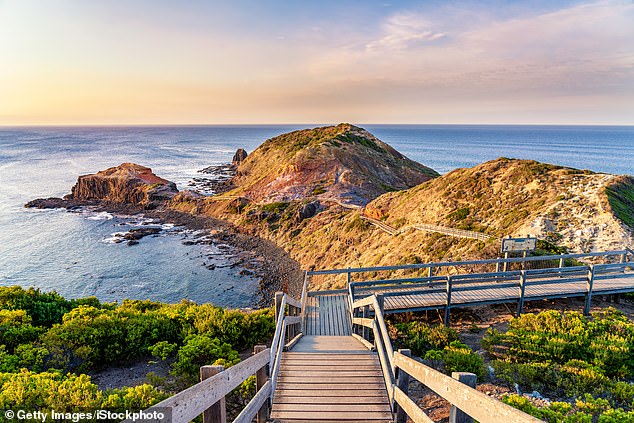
(239, 157)
(340, 162)
(127, 183)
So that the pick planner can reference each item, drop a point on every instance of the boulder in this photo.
(239, 157)
(307, 211)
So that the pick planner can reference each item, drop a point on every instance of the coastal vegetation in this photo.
(49, 347)
(573, 368)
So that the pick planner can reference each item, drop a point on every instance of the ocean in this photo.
(76, 254)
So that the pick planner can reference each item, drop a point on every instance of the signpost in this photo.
(518, 244)
(522, 245)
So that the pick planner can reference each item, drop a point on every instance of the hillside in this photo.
(568, 207)
(343, 162)
(516, 197)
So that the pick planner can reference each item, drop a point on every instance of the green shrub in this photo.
(458, 357)
(162, 349)
(16, 329)
(200, 350)
(421, 337)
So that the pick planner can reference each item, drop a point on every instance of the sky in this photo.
(81, 62)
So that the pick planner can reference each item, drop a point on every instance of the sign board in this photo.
(518, 244)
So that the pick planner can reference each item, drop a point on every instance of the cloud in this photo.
(403, 30)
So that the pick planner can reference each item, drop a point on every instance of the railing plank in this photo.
(363, 321)
(278, 330)
(249, 412)
(411, 409)
(363, 302)
(292, 302)
(190, 403)
(465, 263)
(476, 404)
(292, 320)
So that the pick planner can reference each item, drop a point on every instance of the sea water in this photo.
(76, 253)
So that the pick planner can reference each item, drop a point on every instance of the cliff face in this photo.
(127, 183)
(343, 162)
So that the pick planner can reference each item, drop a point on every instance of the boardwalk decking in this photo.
(328, 315)
(330, 379)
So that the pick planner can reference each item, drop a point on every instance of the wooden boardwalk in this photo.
(403, 298)
(330, 379)
(328, 315)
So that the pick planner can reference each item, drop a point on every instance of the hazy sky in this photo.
(163, 62)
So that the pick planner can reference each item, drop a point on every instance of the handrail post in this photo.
(402, 382)
(497, 265)
(217, 413)
(520, 302)
(279, 296)
(590, 282)
(365, 333)
(261, 376)
(455, 414)
(380, 299)
(448, 305)
(278, 304)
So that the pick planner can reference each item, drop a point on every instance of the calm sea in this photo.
(74, 253)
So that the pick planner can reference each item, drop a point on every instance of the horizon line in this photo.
(318, 124)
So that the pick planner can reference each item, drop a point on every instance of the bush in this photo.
(458, 357)
(200, 350)
(605, 341)
(162, 349)
(421, 337)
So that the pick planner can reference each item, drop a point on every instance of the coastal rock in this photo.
(127, 183)
(239, 156)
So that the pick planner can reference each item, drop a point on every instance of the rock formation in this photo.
(239, 156)
(127, 183)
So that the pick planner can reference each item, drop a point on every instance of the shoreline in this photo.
(258, 257)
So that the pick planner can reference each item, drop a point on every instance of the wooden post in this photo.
(365, 333)
(497, 265)
(217, 413)
(261, 377)
(430, 271)
(586, 308)
(455, 415)
(506, 263)
(448, 305)
(561, 266)
(524, 254)
(278, 304)
(402, 382)
(520, 303)
(381, 300)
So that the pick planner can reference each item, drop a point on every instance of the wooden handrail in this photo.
(461, 233)
(476, 404)
(279, 339)
(191, 402)
(466, 263)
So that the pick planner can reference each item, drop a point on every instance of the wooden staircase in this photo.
(330, 379)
